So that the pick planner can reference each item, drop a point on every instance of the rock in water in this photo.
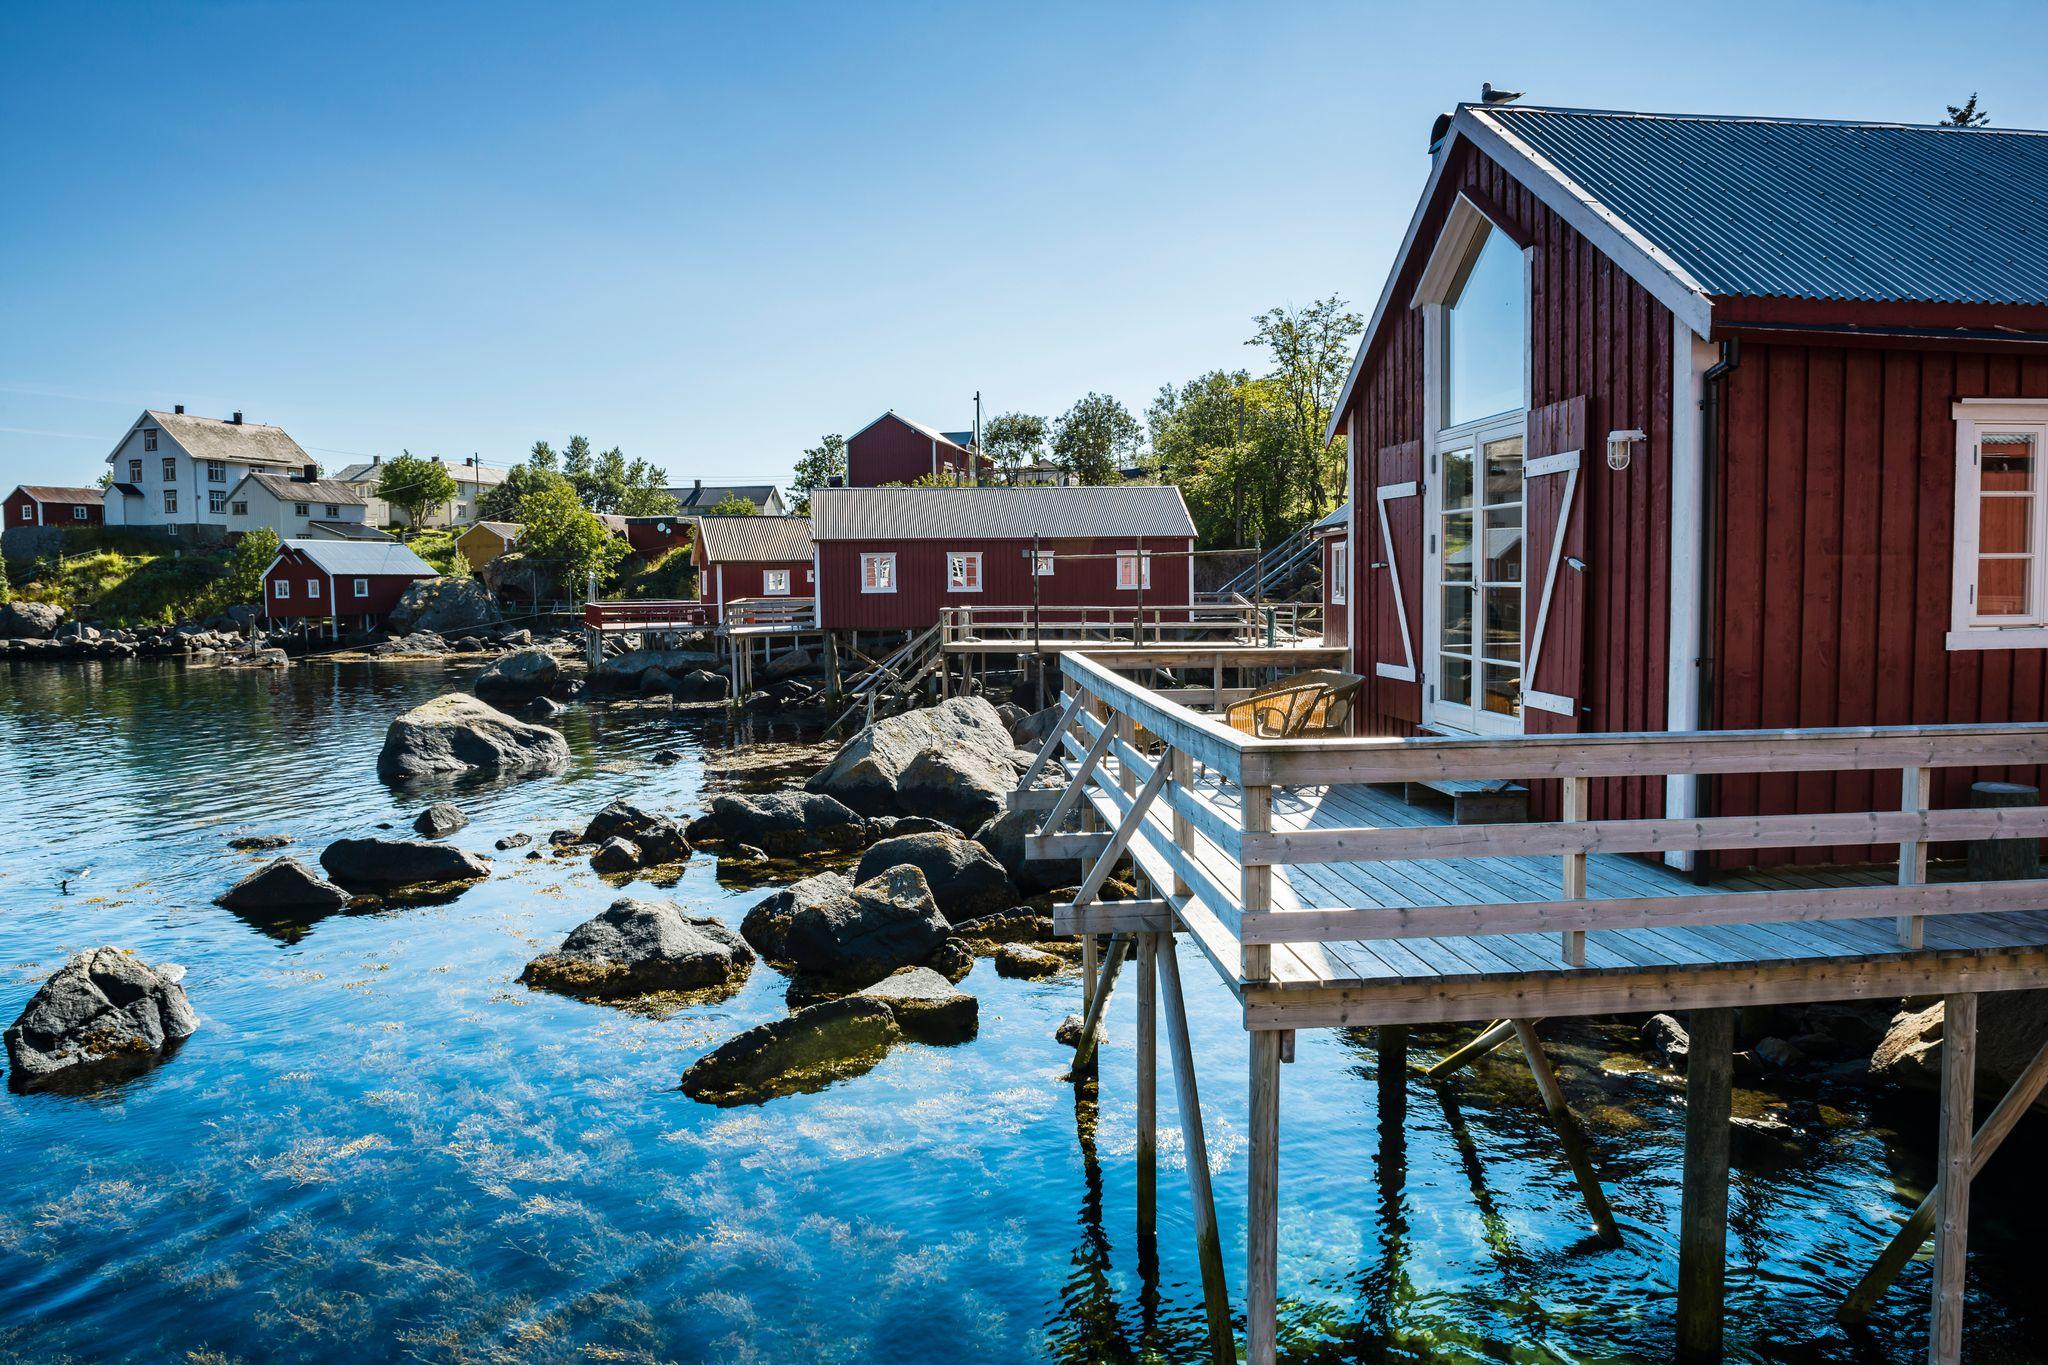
(440, 820)
(284, 884)
(1004, 837)
(29, 620)
(927, 1006)
(258, 843)
(954, 960)
(1017, 959)
(657, 838)
(960, 752)
(616, 855)
(1667, 1040)
(807, 1051)
(518, 677)
(783, 823)
(1020, 924)
(1069, 1031)
(104, 1014)
(964, 879)
(636, 947)
(455, 734)
(442, 605)
(399, 862)
(883, 924)
(766, 926)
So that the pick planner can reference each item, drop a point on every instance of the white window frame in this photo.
(1340, 568)
(1044, 564)
(217, 501)
(775, 582)
(1968, 630)
(170, 469)
(963, 571)
(362, 587)
(78, 514)
(333, 510)
(135, 471)
(299, 509)
(281, 589)
(877, 571)
(170, 502)
(216, 471)
(1134, 566)
(28, 511)
(240, 509)
(149, 438)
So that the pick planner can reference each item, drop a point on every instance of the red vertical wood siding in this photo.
(921, 590)
(1836, 479)
(748, 578)
(53, 513)
(300, 571)
(893, 451)
(1593, 332)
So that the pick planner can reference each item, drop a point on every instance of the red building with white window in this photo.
(342, 581)
(893, 558)
(1335, 533)
(751, 557)
(44, 505)
(894, 449)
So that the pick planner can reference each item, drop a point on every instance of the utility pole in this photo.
(975, 461)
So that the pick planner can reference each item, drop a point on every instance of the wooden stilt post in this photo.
(1952, 1206)
(1576, 1152)
(1262, 1203)
(1489, 1038)
(1208, 1245)
(1910, 1238)
(1147, 1050)
(832, 666)
(1391, 1051)
(1098, 999)
(1703, 1202)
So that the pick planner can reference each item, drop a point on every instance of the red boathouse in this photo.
(1750, 438)
(751, 557)
(340, 580)
(894, 449)
(43, 505)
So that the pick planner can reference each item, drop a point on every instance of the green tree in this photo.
(566, 539)
(1311, 352)
(732, 505)
(415, 486)
(1012, 439)
(252, 555)
(1206, 436)
(816, 468)
(1093, 438)
(646, 493)
(502, 502)
(1967, 114)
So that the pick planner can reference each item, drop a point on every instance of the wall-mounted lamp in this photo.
(1618, 443)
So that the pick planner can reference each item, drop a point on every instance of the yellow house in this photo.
(486, 540)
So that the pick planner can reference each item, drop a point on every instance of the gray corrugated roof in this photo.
(345, 530)
(997, 513)
(754, 539)
(1813, 209)
(363, 557)
(1339, 516)
(711, 494)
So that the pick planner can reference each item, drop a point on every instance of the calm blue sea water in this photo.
(380, 1146)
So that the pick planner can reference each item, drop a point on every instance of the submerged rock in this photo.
(964, 879)
(637, 947)
(513, 841)
(807, 1051)
(1019, 925)
(783, 823)
(399, 862)
(927, 1006)
(283, 884)
(440, 820)
(766, 926)
(456, 733)
(520, 676)
(259, 843)
(950, 762)
(889, 922)
(104, 1014)
(656, 838)
(616, 855)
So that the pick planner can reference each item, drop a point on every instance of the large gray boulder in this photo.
(105, 1013)
(889, 922)
(964, 879)
(766, 926)
(2011, 1027)
(657, 839)
(1004, 838)
(283, 884)
(399, 862)
(782, 823)
(807, 1051)
(518, 677)
(637, 947)
(623, 672)
(927, 1006)
(443, 606)
(951, 762)
(455, 734)
(29, 620)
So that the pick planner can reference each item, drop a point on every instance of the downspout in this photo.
(1710, 504)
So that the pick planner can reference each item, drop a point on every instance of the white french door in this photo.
(1475, 572)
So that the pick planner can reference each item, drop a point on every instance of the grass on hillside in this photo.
(134, 587)
(664, 577)
(436, 545)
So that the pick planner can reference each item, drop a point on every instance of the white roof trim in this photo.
(1667, 281)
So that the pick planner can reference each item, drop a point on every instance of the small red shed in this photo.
(892, 558)
(653, 535)
(742, 557)
(33, 504)
(894, 449)
(340, 580)
(1335, 533)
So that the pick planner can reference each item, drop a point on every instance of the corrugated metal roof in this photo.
(711, 494)
(345, 530)
(754, 539)
(997, 513)
(1340, 516)
(1813, 209)
(363, 557)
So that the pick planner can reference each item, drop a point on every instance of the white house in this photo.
(297, 507)
(175, 471)
(472, 478)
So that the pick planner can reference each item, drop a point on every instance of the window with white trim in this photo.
(1339, 571)
(170, 469)
(216, 471)
(313, 588)
(878, 573)
(170, 500)
(298, 509)
(28, 511)
(333, 510)
(963, 571)
(2000, 588)
(135, 471)
(149, 438)
(1044, 564)
(362, 587)
(775, 582)
(1133, 570)
(216, 500)
(281, 589)
(78, 514)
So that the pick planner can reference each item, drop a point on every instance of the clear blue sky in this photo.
(709, 234)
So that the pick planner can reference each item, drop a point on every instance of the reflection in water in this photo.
(380, 1145)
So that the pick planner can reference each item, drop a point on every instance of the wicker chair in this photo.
(1314, 703)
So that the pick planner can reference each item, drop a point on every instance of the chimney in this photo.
(311, 474)
(238, 417)
(472, 462)
(698, 486)
(179, 409)
(376, 459)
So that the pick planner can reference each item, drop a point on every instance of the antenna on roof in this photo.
(1489, 95)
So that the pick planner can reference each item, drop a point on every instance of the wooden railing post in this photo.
(1255, 893)
(1916, 788)
(1575, 792)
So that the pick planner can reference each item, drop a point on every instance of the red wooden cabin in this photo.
(1666, 422)
(44, 505)
(894, 449)
(1335, 532)
(350, 581)
(893, 558)
(751, 557)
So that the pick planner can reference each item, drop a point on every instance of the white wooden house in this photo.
(174, 470)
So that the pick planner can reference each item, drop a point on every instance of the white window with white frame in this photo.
(362, 587)
(28, 511)
(1133, 570)
(963, 571)
(313, 589)
(170, 500)
(1339, 570)
(2000, 587)
(216, 500)
(1043, 566)
(78, 514)
(149, 438)
(775, 582)
(878, 572)
(216, 471)
(281, 589)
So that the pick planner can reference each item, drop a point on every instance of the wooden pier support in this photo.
(1489, 1038)
(1703, 1203)
(1098, 999)
(1952, 1197)
(1577, 1152)
(1208, 1244)
(1391, 1054)
(1262, 1203)
(1147, 1050)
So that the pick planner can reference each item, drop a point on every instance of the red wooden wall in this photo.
(893, 451)
(1837, 482)
(1006, 579)
(53, 513)
(1595, 332)
(385, 590)
(745, 578)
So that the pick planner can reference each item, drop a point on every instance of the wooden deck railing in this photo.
(1133, 752)
(654, 614)
(794, 613)
(1181, 623)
